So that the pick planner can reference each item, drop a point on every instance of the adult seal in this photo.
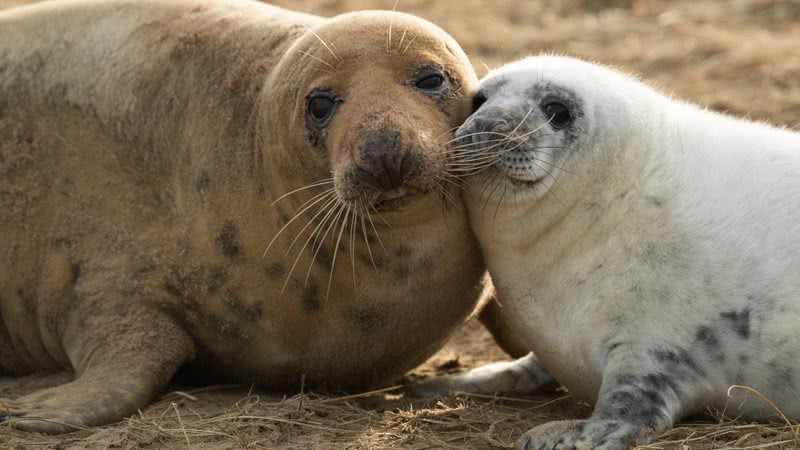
(151, 151)
(645, 249)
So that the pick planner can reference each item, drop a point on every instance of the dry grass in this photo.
(738, 55)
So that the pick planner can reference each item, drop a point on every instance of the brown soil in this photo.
(740, 56)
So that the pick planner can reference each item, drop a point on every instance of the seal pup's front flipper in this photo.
(644, 391)
(521, 376)
(122, 361)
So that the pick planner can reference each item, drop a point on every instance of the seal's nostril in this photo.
(383, 159)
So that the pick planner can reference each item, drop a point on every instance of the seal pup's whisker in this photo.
(303, 208)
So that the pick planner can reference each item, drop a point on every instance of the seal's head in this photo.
(375, 98)
(542, 119)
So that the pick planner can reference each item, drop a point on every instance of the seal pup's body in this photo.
(644, 248)
(144, 146)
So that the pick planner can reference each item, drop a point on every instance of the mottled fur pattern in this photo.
(142, 146)
(648, 256)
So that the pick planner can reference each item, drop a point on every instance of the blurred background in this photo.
(741, 56)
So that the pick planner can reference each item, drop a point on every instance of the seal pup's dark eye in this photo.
(557, 114)
(430, 81)
(478, 101)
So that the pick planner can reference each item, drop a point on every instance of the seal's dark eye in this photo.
(320, 106)
(430, 82)
(557, 114)
(478, 101)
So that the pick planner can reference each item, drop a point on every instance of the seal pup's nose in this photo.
(386, 165)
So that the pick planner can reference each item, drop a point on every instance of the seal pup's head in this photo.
(371, 103)
(548, 122)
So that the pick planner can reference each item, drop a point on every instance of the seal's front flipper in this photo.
(121, 365)
(643, 392)
(522, 376)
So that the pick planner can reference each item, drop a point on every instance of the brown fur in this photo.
(142, 145)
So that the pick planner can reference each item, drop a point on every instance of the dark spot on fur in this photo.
(274, 271)
(655, 201)
(227, 241)
(375, 261)
(173, 289)
(226, 330)
(323, 255)
(310, 297)
(248, 313)
(63, 242)
(203, 181)
(739, 321)
(366, 319)
(403, 251)
(76, 272)
(744, 359)
(216, 278)
(706, 336)
(673, 360)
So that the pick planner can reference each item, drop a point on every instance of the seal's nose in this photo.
(385, 165)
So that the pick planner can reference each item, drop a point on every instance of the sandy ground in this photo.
(740, 56)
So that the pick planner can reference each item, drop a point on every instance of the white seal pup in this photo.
(646, 250)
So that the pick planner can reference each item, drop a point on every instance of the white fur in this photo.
(666, 227)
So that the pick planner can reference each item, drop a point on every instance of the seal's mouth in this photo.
(396, 199)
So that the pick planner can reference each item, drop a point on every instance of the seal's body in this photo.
(150, 152)
(646, 250)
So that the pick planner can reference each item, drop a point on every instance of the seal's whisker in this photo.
(324, 44)
(319, 241)
(499, 202)
(353, 245)
(402, 38)
(409, 45)
(443, 190)
(303, 248)
(303, 208)
(336, 250)
(446, 132)
(309, 186)
(391, 24)
(317, 58)
(476, 133)
(375, 230)
(366, 241)
(548, 187)
(557, 167)
(330, 204)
